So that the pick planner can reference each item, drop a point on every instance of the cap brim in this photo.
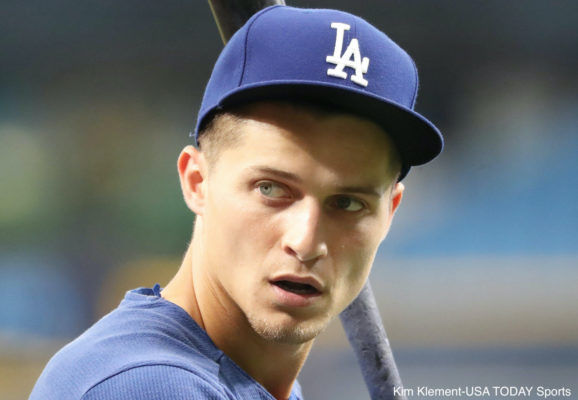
(417, 139)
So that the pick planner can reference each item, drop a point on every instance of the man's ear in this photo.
(192, 167)
(396, 196)
(394, 202)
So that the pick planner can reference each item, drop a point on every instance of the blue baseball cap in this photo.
(329, 57)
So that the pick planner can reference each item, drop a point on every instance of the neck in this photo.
(274, 365)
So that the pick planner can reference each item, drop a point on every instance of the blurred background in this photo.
(478, 280)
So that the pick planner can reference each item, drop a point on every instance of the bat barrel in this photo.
(364, 329)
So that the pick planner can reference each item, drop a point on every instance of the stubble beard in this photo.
(296, 333)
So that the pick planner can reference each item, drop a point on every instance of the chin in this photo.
(287, 331)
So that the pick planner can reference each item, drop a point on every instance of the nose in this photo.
(304, 236)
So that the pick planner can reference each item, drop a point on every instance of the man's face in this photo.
(293, 216)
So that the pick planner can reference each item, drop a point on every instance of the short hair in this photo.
(219, 133)
(221, 130)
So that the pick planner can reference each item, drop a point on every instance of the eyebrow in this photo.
(369, 190)
(277, 172)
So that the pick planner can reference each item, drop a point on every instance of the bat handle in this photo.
(230, 15)
(364, 329)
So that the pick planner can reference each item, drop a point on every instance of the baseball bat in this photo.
(230, 15)
(366, 334)
(361, 320)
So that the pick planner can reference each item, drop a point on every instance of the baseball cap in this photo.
(325, 56)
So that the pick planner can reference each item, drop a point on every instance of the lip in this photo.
(304, 280)
(296, 300)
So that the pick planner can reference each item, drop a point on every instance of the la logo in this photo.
(351, 58)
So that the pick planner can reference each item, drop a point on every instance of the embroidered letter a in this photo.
(351, 58)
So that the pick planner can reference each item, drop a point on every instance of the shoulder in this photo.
(140, 342)
(158, 382)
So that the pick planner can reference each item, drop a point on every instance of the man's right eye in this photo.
(272, 189)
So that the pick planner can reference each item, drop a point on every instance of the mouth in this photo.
(298, 288)
(297, 291)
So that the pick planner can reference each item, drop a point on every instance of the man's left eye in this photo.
(271, 189)
(346, 203)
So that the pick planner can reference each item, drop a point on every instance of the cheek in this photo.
(354, 255)
(358, 242)
(239, 226)
(359, 262)
(353, 278)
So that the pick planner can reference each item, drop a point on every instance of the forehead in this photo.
(303, 141)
